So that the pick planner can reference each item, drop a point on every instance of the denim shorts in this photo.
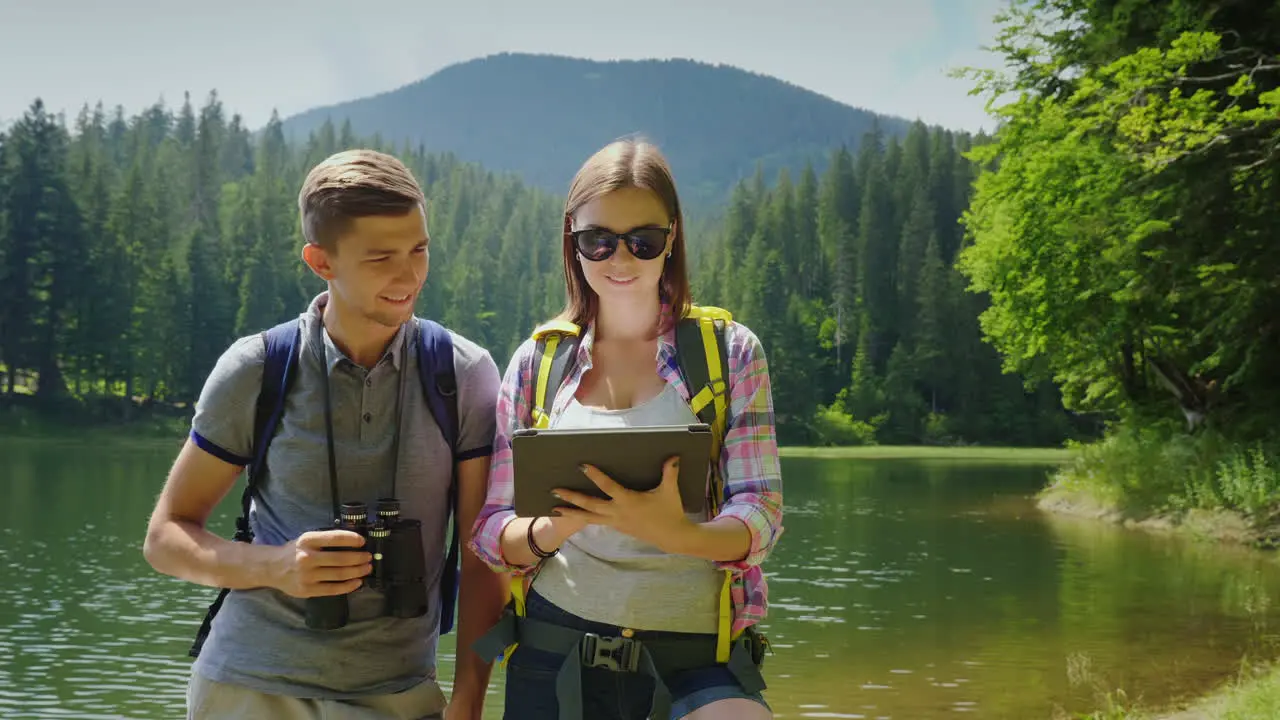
(606, 694)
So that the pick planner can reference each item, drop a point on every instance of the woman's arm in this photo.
(512, 405)
(749, 462)
(500, 538)
(725, 540)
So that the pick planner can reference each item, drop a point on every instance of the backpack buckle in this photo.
(758, 645)
(620, 654)
(719, 388)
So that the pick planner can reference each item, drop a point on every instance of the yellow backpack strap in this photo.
(702, 354)
(709, 311)
(556, 343)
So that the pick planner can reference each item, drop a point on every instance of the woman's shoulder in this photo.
(738, 332)
(745, 351)
(740, 341)
(522, 359)
(525, 357)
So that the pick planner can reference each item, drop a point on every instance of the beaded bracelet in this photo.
(533, 545)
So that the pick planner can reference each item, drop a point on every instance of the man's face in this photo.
(378, 267)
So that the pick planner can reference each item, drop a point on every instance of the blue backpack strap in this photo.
(278, 373)
(440, 384)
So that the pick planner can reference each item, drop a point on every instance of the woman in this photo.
(636, 566)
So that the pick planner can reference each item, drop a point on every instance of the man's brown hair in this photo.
(627, 163)
(352, 184)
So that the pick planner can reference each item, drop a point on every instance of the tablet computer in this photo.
(547, 459)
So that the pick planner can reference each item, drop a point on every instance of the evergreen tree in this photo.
(44, 239)
(133, 250)
(876, 253)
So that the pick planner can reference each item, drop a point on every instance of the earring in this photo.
(577, 256)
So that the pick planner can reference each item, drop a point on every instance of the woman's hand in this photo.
(655, 516)
(564, 527)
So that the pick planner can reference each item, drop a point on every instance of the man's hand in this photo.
(305, 568)
(656, 516)
(178, 544)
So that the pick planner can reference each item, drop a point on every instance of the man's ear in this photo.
(318, 259)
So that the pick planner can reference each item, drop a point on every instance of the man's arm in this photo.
(216, 450)
(178, 544)
(482, 596)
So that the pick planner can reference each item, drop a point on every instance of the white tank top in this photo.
(605, 576)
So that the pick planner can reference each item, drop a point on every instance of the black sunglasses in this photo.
(597, 244)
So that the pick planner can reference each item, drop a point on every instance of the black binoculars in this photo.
(399, 566)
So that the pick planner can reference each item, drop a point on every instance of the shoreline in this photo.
(1253, 694)
(975, 453)
(150, 431)
(161, 429)
(1223, 527)
(1226, 527)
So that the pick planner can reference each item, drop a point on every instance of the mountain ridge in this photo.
(542, 115)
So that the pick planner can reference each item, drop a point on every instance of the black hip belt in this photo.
(654, 656)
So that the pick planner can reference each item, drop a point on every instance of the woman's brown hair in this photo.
(623, 164)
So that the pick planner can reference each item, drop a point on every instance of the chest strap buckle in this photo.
(620, 654)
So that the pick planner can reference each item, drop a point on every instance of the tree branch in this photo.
(1237, 71)
(1230, 136)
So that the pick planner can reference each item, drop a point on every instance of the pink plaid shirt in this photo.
(748, 461)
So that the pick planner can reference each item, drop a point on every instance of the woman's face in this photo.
(641, 219)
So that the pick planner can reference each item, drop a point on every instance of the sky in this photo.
(289, 56)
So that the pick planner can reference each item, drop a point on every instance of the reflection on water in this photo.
(900, 590)
(915, 590)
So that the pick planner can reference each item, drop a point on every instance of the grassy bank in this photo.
(1160, 478)
(1254, 694)
(931, 452)
(24, 423)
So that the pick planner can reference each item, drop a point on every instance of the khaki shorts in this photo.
(211, 700)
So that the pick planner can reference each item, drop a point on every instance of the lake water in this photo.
(901, 589)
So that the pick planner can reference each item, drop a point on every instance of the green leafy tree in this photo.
(1120, 230)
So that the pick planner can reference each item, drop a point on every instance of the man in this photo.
(364, 221)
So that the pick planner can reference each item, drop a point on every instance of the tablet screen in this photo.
(632, 456)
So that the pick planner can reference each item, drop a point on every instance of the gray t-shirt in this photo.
(609, 577)
(259, 638)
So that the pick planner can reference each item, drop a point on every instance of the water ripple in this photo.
(95, 633)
